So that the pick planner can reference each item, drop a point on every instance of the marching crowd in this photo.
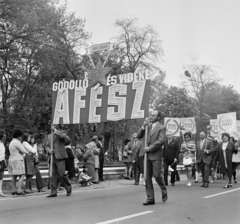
(207, 156)
(162, 150)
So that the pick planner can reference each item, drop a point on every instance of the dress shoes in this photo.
(195, 181)
(203, 185)
(148, 203)
(52, 195)
(136, 184)
(164, 198)
(69, 192)
(206, 186)
(20, 193)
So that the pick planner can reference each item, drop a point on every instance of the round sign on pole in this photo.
(188, 124)
(227, 122)
(172, 125)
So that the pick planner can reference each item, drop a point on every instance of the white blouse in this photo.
(2, 151)
(29, 148)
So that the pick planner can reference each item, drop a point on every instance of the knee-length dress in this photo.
(16, 164)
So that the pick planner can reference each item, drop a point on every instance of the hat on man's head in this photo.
(134, 135)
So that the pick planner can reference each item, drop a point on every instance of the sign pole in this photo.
(51, 157)
(145, 155)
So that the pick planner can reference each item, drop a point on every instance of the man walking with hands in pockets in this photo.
(156, 135)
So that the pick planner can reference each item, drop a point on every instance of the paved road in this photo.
(120, 202)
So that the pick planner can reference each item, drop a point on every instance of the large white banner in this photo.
(172, 125)
(188, 124)
(227, 122)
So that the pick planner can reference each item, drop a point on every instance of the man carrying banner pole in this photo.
(154, 135)
(57, 140)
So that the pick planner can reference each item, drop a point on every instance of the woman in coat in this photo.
(89, 160)
(93, 147)
(16, 162)
(127, 159)
(224, 154)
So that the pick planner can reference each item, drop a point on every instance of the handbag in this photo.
(236, 158)
(3, 165)
(187, 160)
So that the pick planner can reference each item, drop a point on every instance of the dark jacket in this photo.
(60, 140)
(69, 162)
(203, 156)
(101, 153)
(171, 150)
(220, 157)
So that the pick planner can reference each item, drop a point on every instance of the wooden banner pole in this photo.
(145, 154)
(51, 157)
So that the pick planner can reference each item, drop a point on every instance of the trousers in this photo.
(58, 171)
(173, 174)
(154, 170)
(205, 170)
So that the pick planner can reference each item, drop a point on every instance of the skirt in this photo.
(29, 165)
(16, 167)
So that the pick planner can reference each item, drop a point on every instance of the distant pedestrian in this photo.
(171, 158)
(29, 161)
(69, 163)
(39, 180)
(16, 162)
(204, 150)
(234, 163)
(101, 157)
(89, 160)
(96, 151)
(224, 154)
(3, 164)
(127, 159)
(188, 147)
(137, 162)
(134, 147)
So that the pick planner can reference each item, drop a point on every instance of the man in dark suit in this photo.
(101, 158)
(171, 157)
(155, 140)
(134, 146)
(59, 154)
(204, 150)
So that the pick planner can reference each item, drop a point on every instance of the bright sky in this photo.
(192, 31)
